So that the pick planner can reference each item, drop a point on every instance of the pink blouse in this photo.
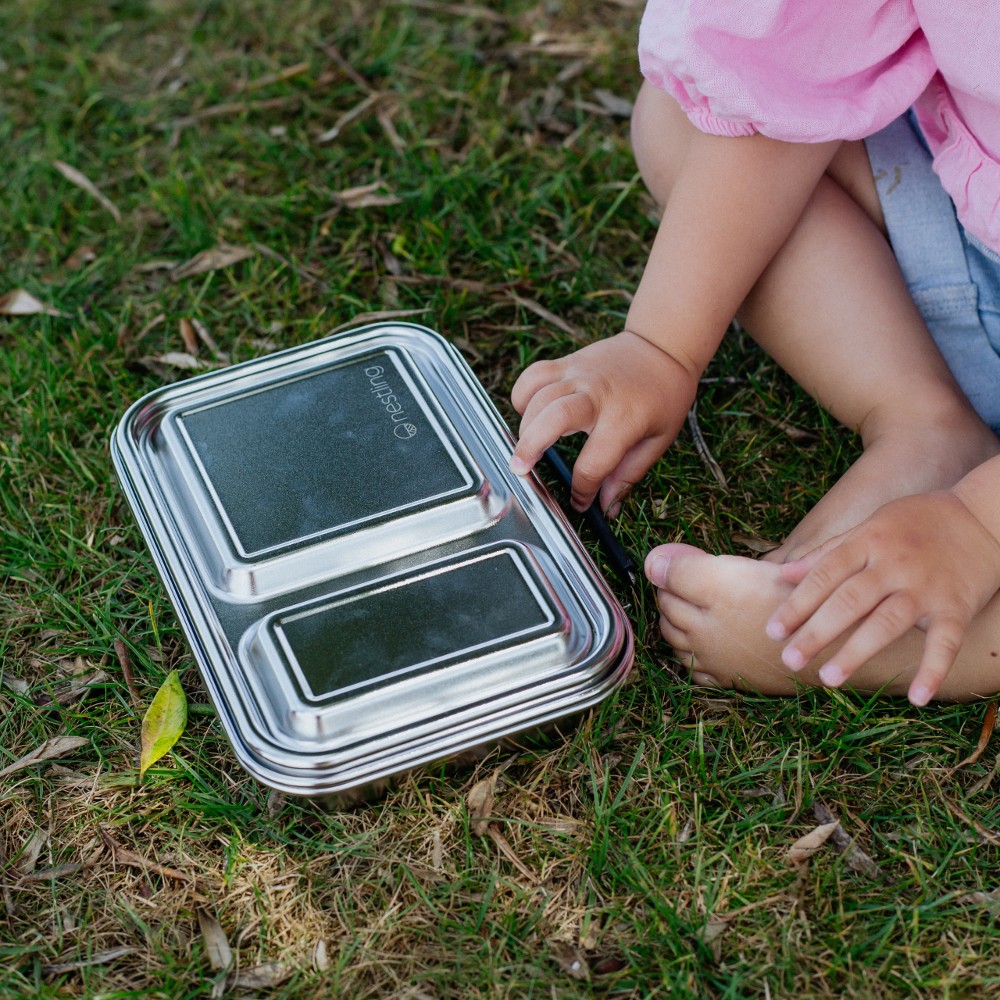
(813, 70)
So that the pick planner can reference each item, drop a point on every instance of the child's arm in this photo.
(732, 206)
(930, 561)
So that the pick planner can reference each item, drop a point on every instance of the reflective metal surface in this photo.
(364, 584)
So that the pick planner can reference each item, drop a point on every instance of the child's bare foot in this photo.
(713, 612)
(911, 457)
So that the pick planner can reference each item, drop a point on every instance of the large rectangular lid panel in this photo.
(364, 583)
(307, 473)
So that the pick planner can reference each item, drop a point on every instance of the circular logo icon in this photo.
(404, 431)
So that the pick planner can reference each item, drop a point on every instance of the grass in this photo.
(645, 855)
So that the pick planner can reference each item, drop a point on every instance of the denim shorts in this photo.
(953, 278)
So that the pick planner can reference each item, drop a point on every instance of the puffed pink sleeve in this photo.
(798, 70)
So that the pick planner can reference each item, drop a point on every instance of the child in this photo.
(837, 255)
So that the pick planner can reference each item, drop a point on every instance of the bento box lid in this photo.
(363, 582)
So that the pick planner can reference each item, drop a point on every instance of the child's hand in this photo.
(626, 394)
(924, 561)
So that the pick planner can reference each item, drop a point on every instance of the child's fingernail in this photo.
(656, 570)
(776, 630)
(920, 695)
(519, 466)
(831, 675)
(793, 658)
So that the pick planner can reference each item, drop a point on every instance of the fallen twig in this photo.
(702, 448)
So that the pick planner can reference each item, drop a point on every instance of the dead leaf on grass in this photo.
(188, 336)
(479, 802)
(805, 847)
(711, 935)
(572, 961)
(15, 684)
(85, 184)
(123, 856)
(73, 689)
(220, 955)
(213, 259)
(209, 341)
(989, 723)
(510, 854)
(58, 746)
(98, 958)
(32, 849)
(80, 256)
(57, 871)
(178, 359)
(561, 824)
(990, 900)
(755, 543)
(854, 857)
(22, 303)
(371, 195)
(320, 959)
(275, 803)
(263, 977)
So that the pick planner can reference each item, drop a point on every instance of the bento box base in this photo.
(371, 792)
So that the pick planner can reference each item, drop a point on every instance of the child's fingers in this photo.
(855, 600)
(795, 570)
(895, 616)
(545, 423)
(944, 639)
(535, 377)
(601, 454)
(819, 583)
(630, 470)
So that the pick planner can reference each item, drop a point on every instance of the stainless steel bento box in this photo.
(364, 584)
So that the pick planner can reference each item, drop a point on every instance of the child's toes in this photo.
(681, 614)
(680, 569)
(678, 639)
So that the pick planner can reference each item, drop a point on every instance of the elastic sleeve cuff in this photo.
(705, 121)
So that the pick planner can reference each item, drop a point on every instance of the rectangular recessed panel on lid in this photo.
(320, 453)
(409, 626)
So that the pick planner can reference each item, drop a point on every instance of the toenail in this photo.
(656, 570)
(831, 675)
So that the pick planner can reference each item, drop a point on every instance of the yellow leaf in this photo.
(164, 721)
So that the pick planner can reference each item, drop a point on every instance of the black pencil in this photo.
(618, 558)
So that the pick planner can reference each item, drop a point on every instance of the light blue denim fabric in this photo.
(953, 279)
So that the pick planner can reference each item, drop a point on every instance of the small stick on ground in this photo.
(125, 662)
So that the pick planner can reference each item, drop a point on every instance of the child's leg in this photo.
(715, 608)
(833, 310)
